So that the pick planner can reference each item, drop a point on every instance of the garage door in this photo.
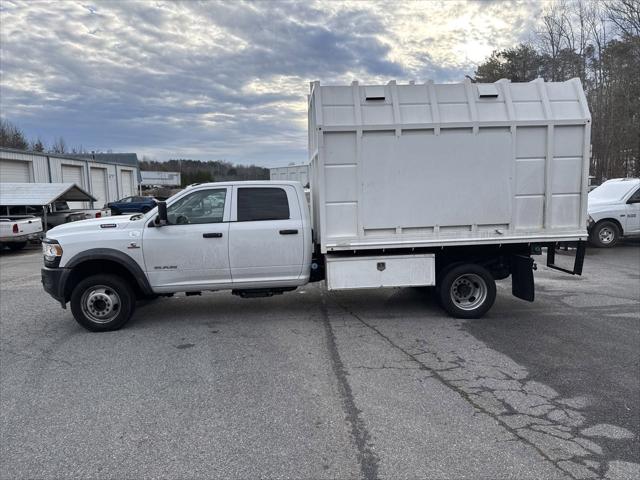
(127, 183)
(73, 174)
(99, 186)
(12, 171)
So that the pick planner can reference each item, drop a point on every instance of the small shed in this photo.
(40, 195)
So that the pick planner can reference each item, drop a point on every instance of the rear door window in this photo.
(259, 204)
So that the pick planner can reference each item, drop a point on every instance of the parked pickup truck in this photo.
(445, 186)
(16, 232)
(57, 213)
(60, 213)
(614, 211)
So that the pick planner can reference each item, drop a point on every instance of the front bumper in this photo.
(53, 281)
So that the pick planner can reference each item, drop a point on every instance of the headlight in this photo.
(51, 251)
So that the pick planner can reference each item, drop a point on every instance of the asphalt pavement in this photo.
(316, 384)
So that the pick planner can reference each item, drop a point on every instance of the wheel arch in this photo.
(612, 220)
(105, 260)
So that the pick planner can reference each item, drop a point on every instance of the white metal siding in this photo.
(441, 164)
(127, 183)
(15, 171)
(99, 186)
(44, 168)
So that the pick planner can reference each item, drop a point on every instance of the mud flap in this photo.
(522, 285)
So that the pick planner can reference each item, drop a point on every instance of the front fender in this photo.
(112, 255)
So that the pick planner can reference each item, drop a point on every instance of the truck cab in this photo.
(250, 237)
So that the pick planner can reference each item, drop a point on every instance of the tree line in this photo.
(599, 43)
(11, 136)
(198, 171)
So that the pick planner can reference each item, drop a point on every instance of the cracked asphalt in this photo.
(315, 384)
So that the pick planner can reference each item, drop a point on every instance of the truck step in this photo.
(261, 292)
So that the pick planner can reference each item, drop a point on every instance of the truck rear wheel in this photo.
(102, 302)
(467, 291)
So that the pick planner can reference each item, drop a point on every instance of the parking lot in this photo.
(311, 384)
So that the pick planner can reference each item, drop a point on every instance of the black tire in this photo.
(111, 290)
(15, 246)
(467, 291)
(604, 234)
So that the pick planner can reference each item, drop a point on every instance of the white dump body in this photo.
(397, 166)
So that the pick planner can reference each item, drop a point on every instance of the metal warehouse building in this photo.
(106, 176)
(298, 173)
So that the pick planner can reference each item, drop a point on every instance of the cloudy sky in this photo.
(224, 80)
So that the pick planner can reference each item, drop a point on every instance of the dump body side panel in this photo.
(425, 165)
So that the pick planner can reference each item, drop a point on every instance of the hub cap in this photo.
(100, 304)
(468, 291)
(606, 235)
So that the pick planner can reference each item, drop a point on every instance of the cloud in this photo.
(223, 80)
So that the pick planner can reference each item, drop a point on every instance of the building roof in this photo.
(41, 193)
(117, 158)
(125, 159)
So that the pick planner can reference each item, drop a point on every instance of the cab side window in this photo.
(259, 204)
(204, 206)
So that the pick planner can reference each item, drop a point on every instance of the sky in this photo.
(225, 80)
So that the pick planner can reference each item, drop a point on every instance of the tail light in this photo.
(98, 215)
(15, 228)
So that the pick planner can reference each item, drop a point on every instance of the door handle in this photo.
(288, 232)
(212, 235)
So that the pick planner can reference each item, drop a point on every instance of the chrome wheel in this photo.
(100, 304)
(606, 235)
(468, 291)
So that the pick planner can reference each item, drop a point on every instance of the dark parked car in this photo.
(132, 205)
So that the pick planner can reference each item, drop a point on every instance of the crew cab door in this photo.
(266, 239)
(193, 249)
(633, 213)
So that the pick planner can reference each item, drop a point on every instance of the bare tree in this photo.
(553, 35)
(37, 145)
(625, 14)
(59, 146)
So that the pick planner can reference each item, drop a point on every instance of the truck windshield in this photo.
(611, 191)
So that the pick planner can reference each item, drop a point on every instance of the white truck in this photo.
(452, 186)
(614, 211)
(17, 231)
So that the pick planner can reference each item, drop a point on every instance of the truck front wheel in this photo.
(604, 235)
(102, 302)
(467, 291)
